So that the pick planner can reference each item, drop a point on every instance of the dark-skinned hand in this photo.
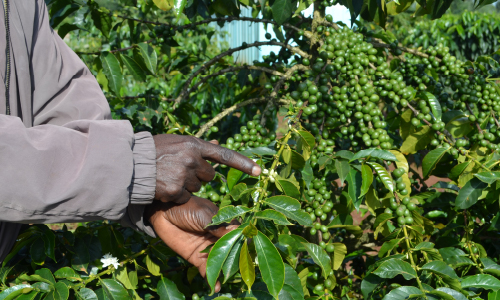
(182, 228)
(181, 165)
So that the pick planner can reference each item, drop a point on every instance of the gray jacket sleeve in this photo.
(74, 164)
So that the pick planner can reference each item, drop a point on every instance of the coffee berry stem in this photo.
(414, 266)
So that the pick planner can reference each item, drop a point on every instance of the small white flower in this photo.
(108, 260)
(265, 171)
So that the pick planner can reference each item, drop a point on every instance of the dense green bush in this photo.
(468, 35)
(359, 119)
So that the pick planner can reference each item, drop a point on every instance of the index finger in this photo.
(229, 157)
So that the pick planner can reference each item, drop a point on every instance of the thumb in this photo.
(220, 230)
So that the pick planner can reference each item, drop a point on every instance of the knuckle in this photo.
(190, 161)
(226, 155)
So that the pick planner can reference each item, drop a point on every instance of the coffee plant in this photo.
(380, 162)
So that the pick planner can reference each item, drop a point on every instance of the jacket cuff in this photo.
(142, 188)
(134, 218)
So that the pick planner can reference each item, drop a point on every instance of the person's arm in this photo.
(74, 164)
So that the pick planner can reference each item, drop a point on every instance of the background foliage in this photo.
(364, 123)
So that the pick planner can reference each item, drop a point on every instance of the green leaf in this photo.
(271, 264)
(167, 290)
(272, 215)
(404, 292)
(282, 10)
(343, 168)
(46, 274)
(488, 177)
(339, 253)
(134, 68)
(405, 125)
(238, 190)
(394, 267)
(469, 193)
(459, 126)
(388, 246)
(374, 153)
(457, 170)
(231, 264)
(102, 21)
(384, 176)
(233, 176)
(14, 291)
(481, 281)
(49, 239)
(345, 154)
(218, 255)
(307, 173)
(292, 283)
(306, 136)
(87, 294)
(367, 179)
(60, 292)
(369, 283)
(149, 57)
(67, 273)
(431, 159)
(417, 140)
(289, 188)
(440, 268)
(29, 296)
(179, 7)
(490, 266)
(434, 104)
(354, 182)
(320, 257)
(228, 213)
(298, 161)
(113, 289)
(491, 296)
(37, 251)
(290, 207)
(247, 268)
(111, 68)
(153, 268)
(164, 4)
(456, 295)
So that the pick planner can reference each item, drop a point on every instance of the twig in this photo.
(477, 124)
(229, 52)
(378, 43)
(495, 118)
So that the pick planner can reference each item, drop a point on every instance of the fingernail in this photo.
(256, 171)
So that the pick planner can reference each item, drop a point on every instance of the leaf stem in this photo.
(414, 266)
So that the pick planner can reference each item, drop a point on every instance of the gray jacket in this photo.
(62, 158)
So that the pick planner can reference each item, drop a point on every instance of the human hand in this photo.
(182, 228)
(181, 165)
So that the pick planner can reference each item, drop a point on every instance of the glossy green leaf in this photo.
(14, 291)
(343, 168)
(67, 273)
(228, 213)
(469, 193)
(388, 246)
(250, 230)
(440, 268)
(289, 188)
(384, 175)
(37, 252)
(87, 294)
(354, 181)
(292, 283)
(121, 275)
(320, 257)
(29, 296)
(457, 170)
(459, 126)
(218, 255)
(339, 253)
(490, 266)
(113, 289)
(60, 292)
(179, 7)
(231, 265)
(134, 68)
(434, 104)
(488, 177)
(456, 295)
(481, 281)
(290, 207)
(307, 173)
(167, 290)
(431, 159)
(369, 283)
(238, 190)
(417, 140)
(247, 268)
(404, 292)
(271, 264)
(111, 68)
(46, 274)
(493, 295)
(394, 267)
(49, 239)
(298, 161)
(148, 54)
(305, 135)
(374, 153)
(233, 176)
(367, 179)
(272, 215)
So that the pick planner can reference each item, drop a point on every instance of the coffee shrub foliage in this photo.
(380, 162)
